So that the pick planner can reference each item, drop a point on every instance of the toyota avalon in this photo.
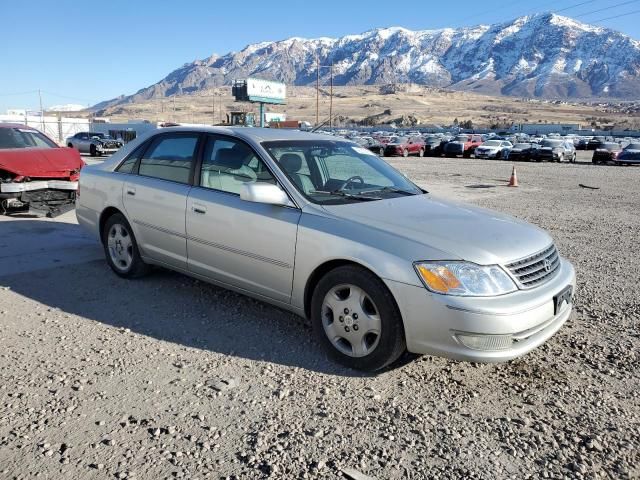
(326, 229)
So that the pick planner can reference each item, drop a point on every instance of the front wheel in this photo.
(121, 248)
(405, 153)
(356, 319)
(92, 150)
(421, 153)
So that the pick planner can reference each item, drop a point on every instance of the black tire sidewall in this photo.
(138, 268)
(392, 339)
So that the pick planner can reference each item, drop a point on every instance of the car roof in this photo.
(17, 125)
(256, 134)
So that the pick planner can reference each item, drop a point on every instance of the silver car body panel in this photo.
(271, 252)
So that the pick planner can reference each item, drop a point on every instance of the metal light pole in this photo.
(317, 89)
(331, 99)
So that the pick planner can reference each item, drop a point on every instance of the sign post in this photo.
(257, 90)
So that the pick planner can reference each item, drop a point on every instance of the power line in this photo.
(18, 93)
(574, 6)
(616, 16)
(606, 8)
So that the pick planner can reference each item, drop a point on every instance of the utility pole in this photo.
(317, 89)
(331, 98)
(213, 107)
(41, 111)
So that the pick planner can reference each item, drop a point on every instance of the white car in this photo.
(493, 149)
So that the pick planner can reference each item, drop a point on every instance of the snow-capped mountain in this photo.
(67, 107)
(542, 55)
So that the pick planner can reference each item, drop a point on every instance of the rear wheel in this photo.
(121, 248)
(405, 153)
(356, 319)
(92, 150)
(421, 153)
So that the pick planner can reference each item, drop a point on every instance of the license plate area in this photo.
(562, 297)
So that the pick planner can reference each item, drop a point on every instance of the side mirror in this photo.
(268, 193)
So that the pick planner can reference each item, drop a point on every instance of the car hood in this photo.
(41, 162)
(463, 231)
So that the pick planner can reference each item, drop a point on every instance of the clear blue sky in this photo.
(86, 52)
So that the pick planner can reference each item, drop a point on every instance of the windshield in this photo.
(462, 138)
(23, 138)
(610, 146)
(492, 143)
(399, 140)
(335, 172)
(522, 145)
(633, 146)
(552, 143)
(100, 135)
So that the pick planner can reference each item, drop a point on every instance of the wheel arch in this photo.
(104, 216)
(324, 268)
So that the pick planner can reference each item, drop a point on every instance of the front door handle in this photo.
(131, 191)
(201, 209)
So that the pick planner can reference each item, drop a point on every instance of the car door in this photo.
(155, 196)
(244, 244)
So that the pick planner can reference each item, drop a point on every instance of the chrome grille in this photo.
(536, 269)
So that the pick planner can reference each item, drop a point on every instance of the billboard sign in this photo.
(266, 91)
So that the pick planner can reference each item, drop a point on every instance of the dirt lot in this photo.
(430, 106)
(168, 377)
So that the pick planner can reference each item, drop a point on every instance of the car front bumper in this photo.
(485, 154)
(499, 328)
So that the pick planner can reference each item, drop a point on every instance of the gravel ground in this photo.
(168, 377)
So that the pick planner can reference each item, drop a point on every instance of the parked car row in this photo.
(514, 147)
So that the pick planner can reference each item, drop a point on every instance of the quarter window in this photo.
(170, 158)
(227, 164)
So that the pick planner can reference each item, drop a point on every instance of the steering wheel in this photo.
(350, 180)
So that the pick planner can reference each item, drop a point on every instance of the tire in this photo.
(123, 257)
(70, 145)
(341, 288)
(405, 153)
(499, 155)
(574, 158)
(421, 153)
(560, 159)
(92, 150)
(466, 154)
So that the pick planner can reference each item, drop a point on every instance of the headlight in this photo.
(464, 279)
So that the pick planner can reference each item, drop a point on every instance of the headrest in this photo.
(229, 158)
(291, 162)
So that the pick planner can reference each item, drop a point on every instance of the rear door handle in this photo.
(131, 191)
(201, 209)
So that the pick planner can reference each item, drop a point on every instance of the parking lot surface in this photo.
(169, 377)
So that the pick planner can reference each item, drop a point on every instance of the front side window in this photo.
(336, 172)
(228, 163)
(170, 158)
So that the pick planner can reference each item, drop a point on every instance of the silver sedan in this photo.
(326, 229)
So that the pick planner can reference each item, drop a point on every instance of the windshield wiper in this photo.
(389, 189)
(342, 193)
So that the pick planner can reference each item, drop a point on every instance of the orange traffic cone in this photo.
(513, 181)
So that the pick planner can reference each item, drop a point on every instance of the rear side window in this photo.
(129, 164)
(170, 158)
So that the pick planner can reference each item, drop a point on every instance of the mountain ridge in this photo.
(542, 55)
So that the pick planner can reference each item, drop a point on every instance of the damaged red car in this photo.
(36, 175)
